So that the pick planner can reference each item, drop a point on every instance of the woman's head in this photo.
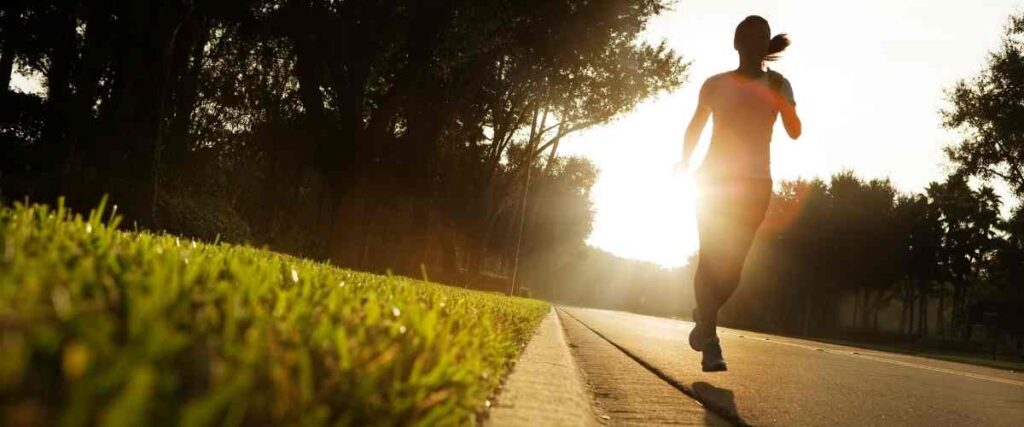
(754, 39)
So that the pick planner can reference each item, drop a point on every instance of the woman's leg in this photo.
(707, 278)
(728, 219)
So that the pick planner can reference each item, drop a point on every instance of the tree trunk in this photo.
(449, 255)
(865, 304)
(58, 83)
(856, 308)
(6, 68)
(80, 151)
(922, 323)
(807, 316)
(953, 322)
(9, 25)
(189, 55)
(963, 318)
(995, 341)
(531, 148)
(134, 126)
(310, 74)
(940, 320)
(877, 308)
(903, 316)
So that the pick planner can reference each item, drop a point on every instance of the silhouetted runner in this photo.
(734, 181)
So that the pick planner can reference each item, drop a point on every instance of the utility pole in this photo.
(522, 224)
(535, 131)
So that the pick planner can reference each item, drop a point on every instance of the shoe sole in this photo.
(716, 368)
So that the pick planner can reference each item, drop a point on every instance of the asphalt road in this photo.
(784, 381)
(625, 393)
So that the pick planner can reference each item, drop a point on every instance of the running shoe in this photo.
(698, 335)
(712, 360)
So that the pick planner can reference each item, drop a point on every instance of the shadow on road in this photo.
(723, 399)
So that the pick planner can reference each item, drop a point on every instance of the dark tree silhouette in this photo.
(969, 218)
(988, 110)
(944, 254)
(380, 135)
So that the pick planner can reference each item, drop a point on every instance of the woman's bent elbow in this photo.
(794, 128)
(794, 131)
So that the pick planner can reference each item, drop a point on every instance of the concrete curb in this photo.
(546, 386)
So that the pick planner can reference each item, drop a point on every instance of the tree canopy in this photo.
(988, 110)
(382, 135)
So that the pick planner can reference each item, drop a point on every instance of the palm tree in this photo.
(969, 218)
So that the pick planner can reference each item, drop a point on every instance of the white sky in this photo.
(868, 76)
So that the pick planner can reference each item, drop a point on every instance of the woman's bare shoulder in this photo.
(717, 78)
(715, 81)
(777, 75)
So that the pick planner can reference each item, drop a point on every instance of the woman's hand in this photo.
(682, 167)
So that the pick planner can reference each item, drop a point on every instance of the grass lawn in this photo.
(101, 326)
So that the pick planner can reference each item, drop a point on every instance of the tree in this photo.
(969, 218)
(810, 244)
(988, 110)
(1004, 296)
(885, 252)
(559, 218)
(923, 270)
(821, 242)
(381, 135)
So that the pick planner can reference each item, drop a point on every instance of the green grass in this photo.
(101, 326)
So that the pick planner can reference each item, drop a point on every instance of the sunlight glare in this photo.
(644, 208)
(844, 79)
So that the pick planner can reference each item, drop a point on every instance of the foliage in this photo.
(379, 135)
(1005, 295)
(203, 218)
(821, 241)
(559, 216)
(988, 109)
(102, 326)
(596, 278)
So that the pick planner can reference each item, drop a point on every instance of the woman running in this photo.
(734, 181)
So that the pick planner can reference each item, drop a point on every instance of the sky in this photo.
(868, 76)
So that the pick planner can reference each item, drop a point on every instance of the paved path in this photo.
(625, 392)
(783, 381)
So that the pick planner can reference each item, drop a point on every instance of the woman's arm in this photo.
(787, 108)
(696, 127)
(790, 119)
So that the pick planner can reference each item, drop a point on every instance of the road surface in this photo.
(784, 381)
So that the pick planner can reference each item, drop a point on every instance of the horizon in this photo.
(858, 91)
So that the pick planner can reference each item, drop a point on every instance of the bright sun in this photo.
(655, 216)
(643, 208)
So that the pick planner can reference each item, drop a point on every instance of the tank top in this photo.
(743, 111)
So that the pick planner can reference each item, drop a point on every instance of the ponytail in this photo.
(778, 44)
